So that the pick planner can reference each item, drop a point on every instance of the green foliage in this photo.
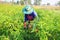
(37, 2)
(11, 24)
(58, 3)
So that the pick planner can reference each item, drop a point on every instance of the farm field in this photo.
(11, 24)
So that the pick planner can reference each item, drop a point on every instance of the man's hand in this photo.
(24, 24)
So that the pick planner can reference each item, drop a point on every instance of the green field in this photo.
(11, 24)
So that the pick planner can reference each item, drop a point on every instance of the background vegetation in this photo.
(11, 24)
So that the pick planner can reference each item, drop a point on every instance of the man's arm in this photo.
(36, 16)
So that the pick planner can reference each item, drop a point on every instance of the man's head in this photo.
(28, 9)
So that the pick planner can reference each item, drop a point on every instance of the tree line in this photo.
(35, 2)
(22, 2)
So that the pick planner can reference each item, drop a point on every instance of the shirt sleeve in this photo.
(35, 13)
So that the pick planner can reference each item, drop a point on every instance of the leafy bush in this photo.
(11, 24)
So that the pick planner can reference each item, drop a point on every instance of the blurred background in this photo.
(33, 2)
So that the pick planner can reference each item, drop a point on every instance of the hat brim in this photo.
(29, 12)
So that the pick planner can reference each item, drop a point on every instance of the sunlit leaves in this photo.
(11, 24)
